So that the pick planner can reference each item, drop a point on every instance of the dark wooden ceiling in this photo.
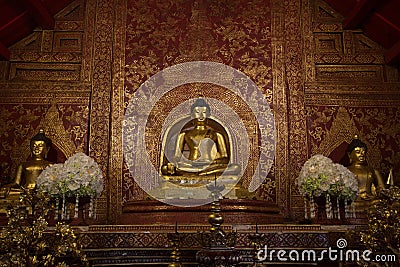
(379, 19)
(18, 19)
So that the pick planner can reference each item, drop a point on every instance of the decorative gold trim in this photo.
(100, 106)
(295, 25)
(116, 161)
(281, 164)
(88, 40)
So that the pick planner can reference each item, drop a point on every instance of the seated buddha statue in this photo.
(200, 150)
(366, 175)
(28, 171)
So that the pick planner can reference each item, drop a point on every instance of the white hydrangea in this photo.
(321, 176)
(80, 175)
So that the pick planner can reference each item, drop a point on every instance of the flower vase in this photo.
(328, 210)
(73, 210)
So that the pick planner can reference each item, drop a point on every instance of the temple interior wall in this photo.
(323, 84)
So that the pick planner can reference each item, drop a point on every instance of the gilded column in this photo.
(100, 105)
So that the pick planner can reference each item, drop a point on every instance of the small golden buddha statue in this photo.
(207, 148)
(28, 171)
(366, 175)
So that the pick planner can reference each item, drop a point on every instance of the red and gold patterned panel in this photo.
(65, 125)
(160, 34)
(347, 91)
(330, 129)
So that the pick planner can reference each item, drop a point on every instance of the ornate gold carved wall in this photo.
(236, 33)
(348, 91)
(45, 85)
(323, 84)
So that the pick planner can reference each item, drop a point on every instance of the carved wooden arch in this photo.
(342, 132)
(54, 129)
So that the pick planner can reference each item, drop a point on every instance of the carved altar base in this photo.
(234, 211)
(148, 245)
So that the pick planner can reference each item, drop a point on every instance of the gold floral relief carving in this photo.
(44, 72)
(280, 169)
(37, 56)
(44, 93)
(101, 76)
(350, 73)
(16, 127)
(295, 80)
(55, 130)
(239, 39)
(362, 90)
(116, 161)
(360, 96)
(348, 91)
(88, 40)
(309, 42)
(330, 127)
(342, 129)
(24, 121)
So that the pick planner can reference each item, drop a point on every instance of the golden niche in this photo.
(28, 172)
(197, 152)
(202, 148)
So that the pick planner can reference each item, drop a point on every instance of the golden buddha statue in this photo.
(366, 175)
(28, 171)
(206, 147)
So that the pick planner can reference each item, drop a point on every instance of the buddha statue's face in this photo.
(39, 149)
(200, 113)
(358, 155)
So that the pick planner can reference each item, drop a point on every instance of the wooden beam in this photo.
(392, 55)
(4, 52)
(40, 13)
(360, 12)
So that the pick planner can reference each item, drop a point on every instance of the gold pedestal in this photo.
(194, 187)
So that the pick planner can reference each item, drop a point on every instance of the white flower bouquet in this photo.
(48, 180)
(320, 176)
(315, 176)
(80, 176)
(345, 184)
